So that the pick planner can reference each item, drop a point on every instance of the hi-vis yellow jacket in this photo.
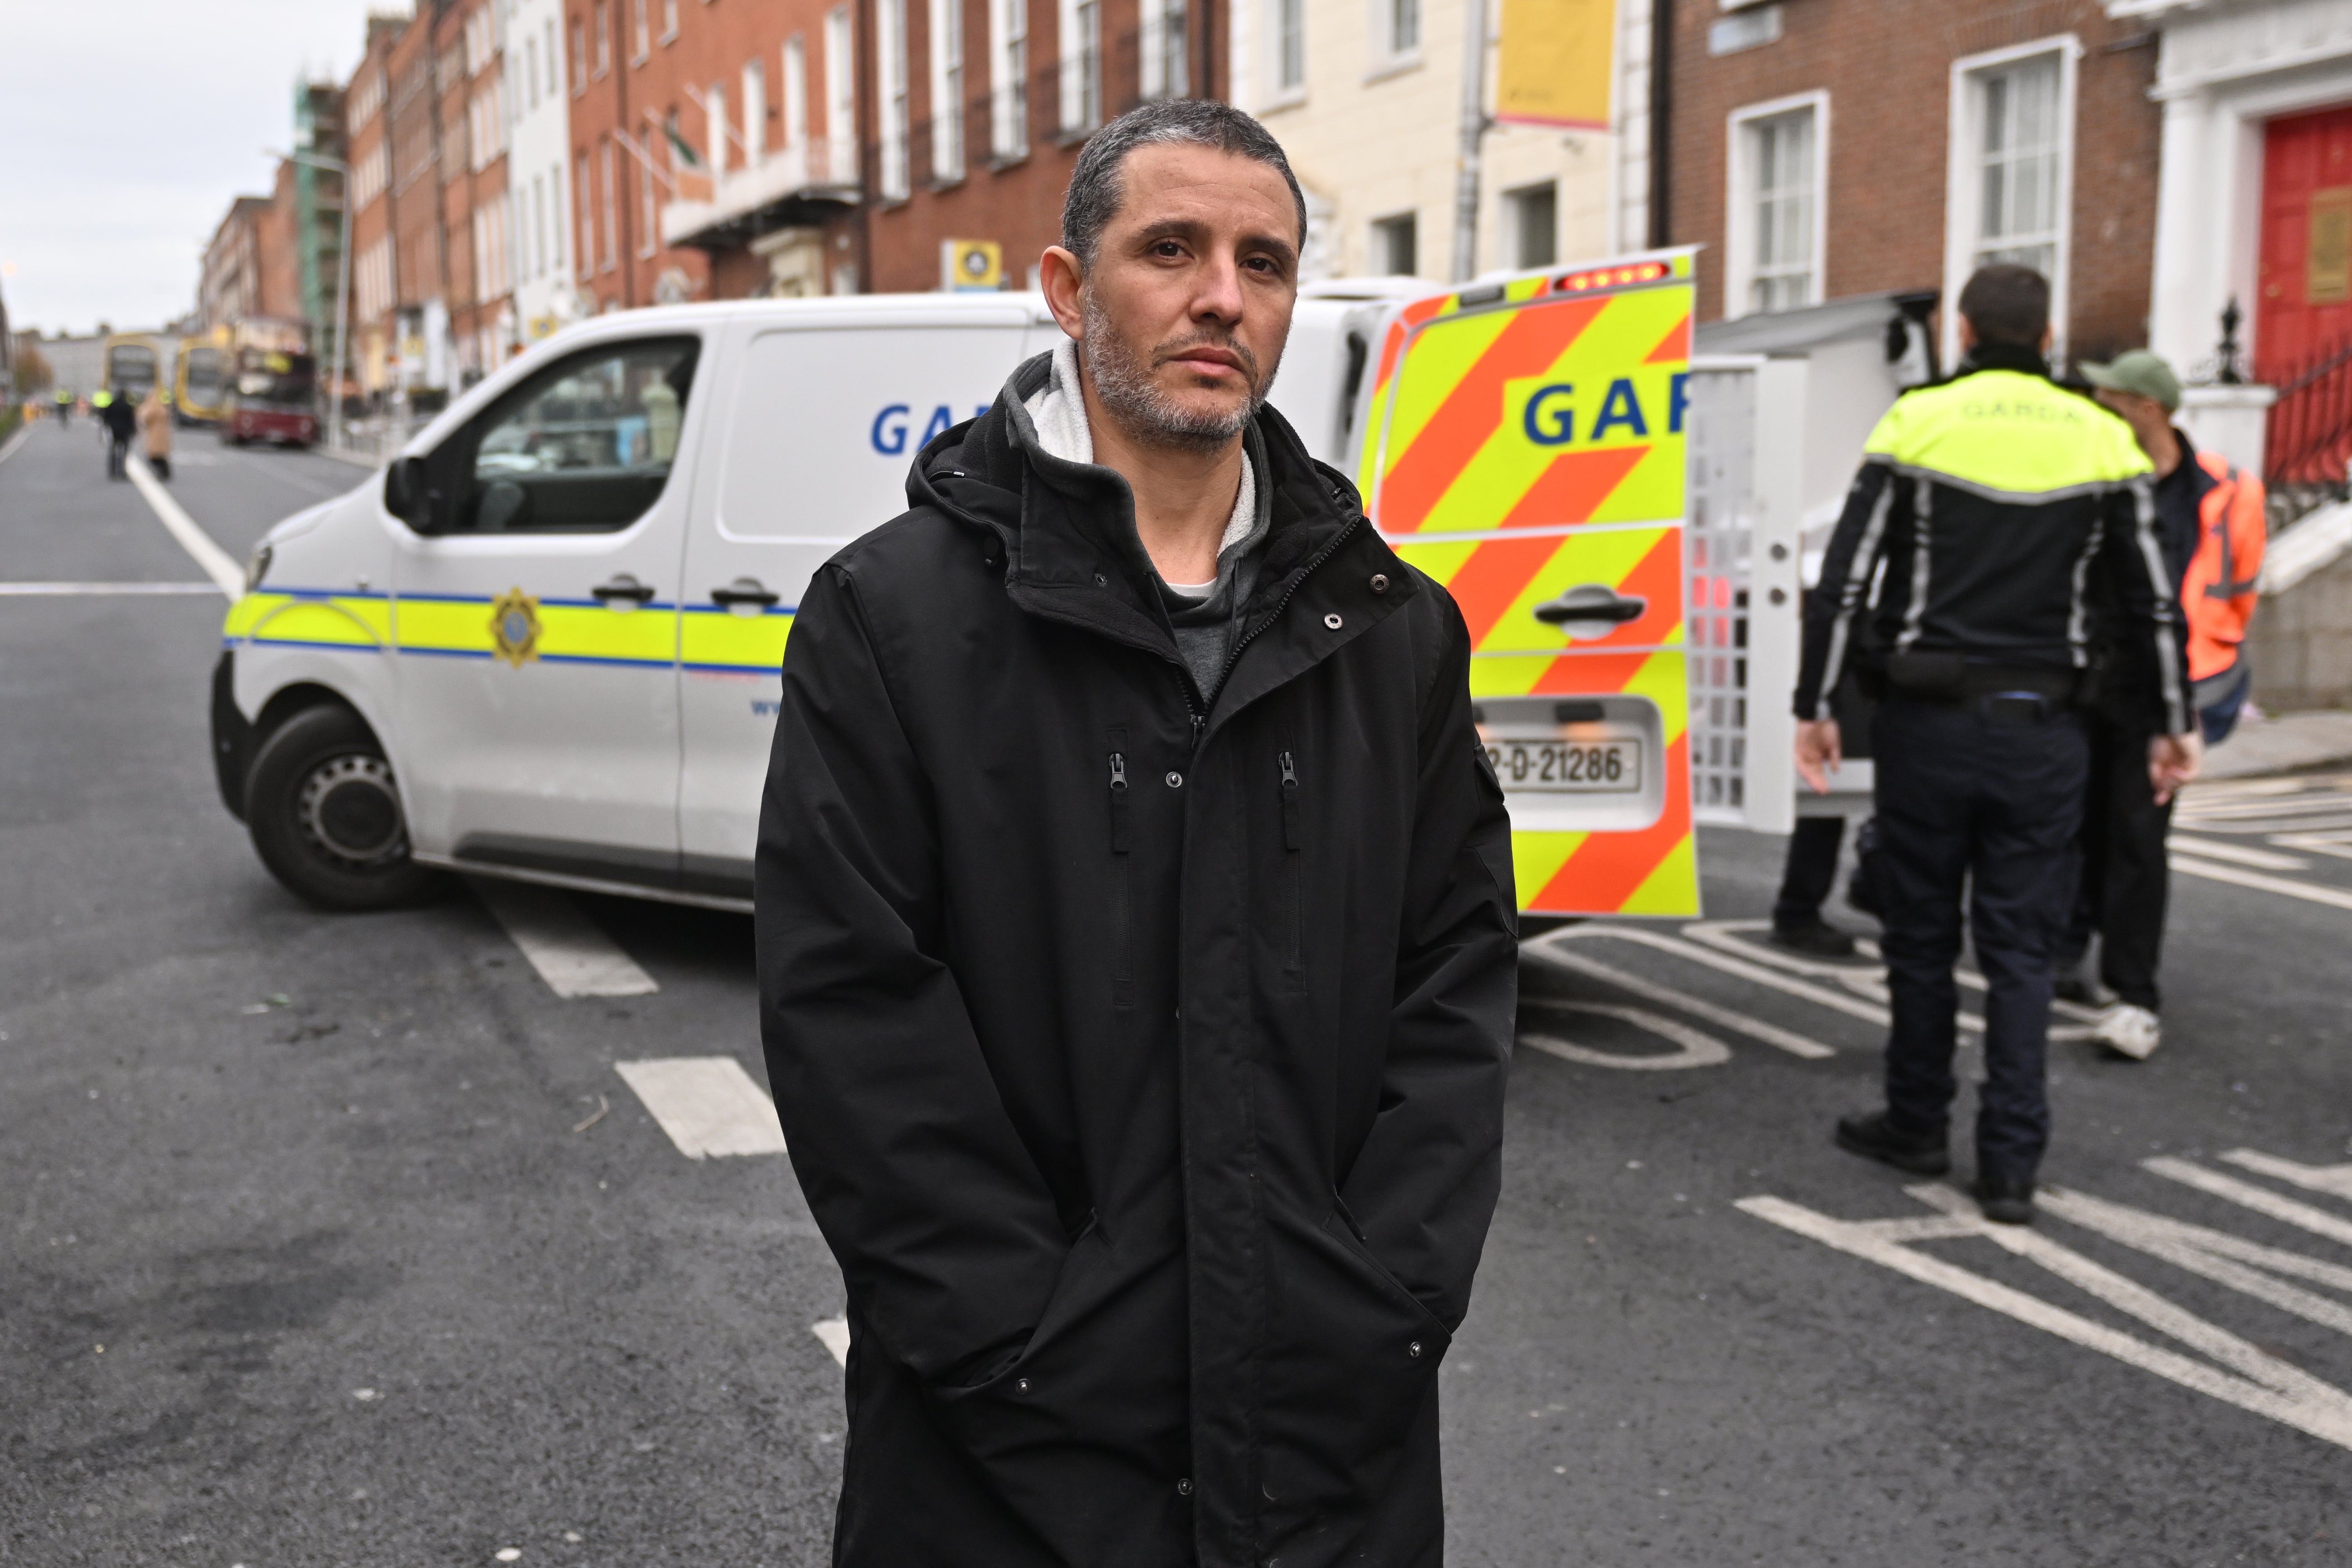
(2016, 524)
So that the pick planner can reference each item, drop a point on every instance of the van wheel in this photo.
(326, 816)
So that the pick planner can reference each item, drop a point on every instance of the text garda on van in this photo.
(888, 431)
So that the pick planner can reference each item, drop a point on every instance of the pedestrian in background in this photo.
(119, 418)
(1135, 938)
(155, 432)
(2208, 521)
(2016, 521)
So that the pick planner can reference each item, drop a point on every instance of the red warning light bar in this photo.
(1610, 277)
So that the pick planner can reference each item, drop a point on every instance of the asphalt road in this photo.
(342, 1240)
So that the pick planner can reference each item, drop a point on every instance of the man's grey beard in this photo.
(1124, 384)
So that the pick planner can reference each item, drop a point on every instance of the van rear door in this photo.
(822, 417)
(1522, 444)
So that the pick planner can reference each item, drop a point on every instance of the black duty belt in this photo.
(1951, 678)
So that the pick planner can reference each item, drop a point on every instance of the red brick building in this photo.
(714, 148)
(732, 148)
(368, 134)
(471, 127)
(1822, 149)
(977, 109)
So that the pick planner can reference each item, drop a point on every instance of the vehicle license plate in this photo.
(1596, 767)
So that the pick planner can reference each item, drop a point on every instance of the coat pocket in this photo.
(1082, 1436)
(1350, 1359)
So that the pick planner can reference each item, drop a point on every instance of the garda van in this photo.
(543, 642)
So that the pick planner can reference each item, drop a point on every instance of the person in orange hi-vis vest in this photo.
(2210, 522)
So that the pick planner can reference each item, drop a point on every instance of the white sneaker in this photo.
(2128, 1032)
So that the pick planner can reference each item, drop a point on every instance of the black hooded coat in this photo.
(1140, 1049)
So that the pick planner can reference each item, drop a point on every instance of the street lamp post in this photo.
(342, 285)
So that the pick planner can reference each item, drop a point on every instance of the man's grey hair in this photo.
(1095, 190)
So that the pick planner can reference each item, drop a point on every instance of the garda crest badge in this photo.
(514, 627)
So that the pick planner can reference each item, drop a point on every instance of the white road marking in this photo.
(2216, 1255)
(24, 434)
(2333, 1179)
(2246, 1194)
(708, 1104)
(2311, 893)
(215, 562)
(1755, 1028)
(1696, 1050)
(69, 589)
(834, 1333)
(1869, 983)
(2299, 805)
(1741, 968)
(2253, 1380)
(2239, 854)
(2338, 843)
(574, 958)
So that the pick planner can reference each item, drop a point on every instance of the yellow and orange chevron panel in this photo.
(1525, 441)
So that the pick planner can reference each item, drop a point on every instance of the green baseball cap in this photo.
(2138, 371)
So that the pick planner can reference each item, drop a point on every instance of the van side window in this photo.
(585, 447)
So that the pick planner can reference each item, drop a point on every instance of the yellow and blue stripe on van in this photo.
(710, 638)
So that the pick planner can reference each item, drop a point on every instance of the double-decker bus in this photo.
(274, 399)
(132, 364)
(202, 382)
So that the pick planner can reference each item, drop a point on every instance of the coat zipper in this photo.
(1293, 894)
(1347, 532)
(1121, 915)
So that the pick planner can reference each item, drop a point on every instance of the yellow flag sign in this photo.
(1559, 63)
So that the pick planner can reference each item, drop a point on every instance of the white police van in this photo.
(543, 642)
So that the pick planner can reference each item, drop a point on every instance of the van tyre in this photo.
(325, 815)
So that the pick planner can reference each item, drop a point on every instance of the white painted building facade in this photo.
(1366, 97)
(540, 79)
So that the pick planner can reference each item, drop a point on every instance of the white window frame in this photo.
(1280, 94)
(716, 129)
(840, 97)
(1008, 79)
(1377, 243)
(555, 205)
(1080, 94)
(1515, 205)
(755, 112)
(1157, 79)
(1739, 197)
(795, 90)
(1964, 181)
(947, 88)
(1388, 54)
(892, 178)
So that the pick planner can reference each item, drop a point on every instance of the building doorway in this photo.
(2303, 306)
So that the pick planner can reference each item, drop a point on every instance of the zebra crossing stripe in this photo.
(708, 1104)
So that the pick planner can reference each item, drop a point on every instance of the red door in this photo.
(2304, 302)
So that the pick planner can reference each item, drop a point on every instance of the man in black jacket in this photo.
(1135, 938)
(2016, 526)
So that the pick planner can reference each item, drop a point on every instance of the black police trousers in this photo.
(1982, 796)
(1809, 871)
(2122, 890)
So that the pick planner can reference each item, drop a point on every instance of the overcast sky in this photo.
(131, 125)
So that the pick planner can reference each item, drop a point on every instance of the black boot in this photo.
(2006, 1200)
(1816, 938)
(1873, 1137)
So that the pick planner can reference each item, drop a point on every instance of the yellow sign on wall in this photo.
(1559, 63)
(970, 265)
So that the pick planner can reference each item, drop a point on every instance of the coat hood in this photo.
(1064, 532)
